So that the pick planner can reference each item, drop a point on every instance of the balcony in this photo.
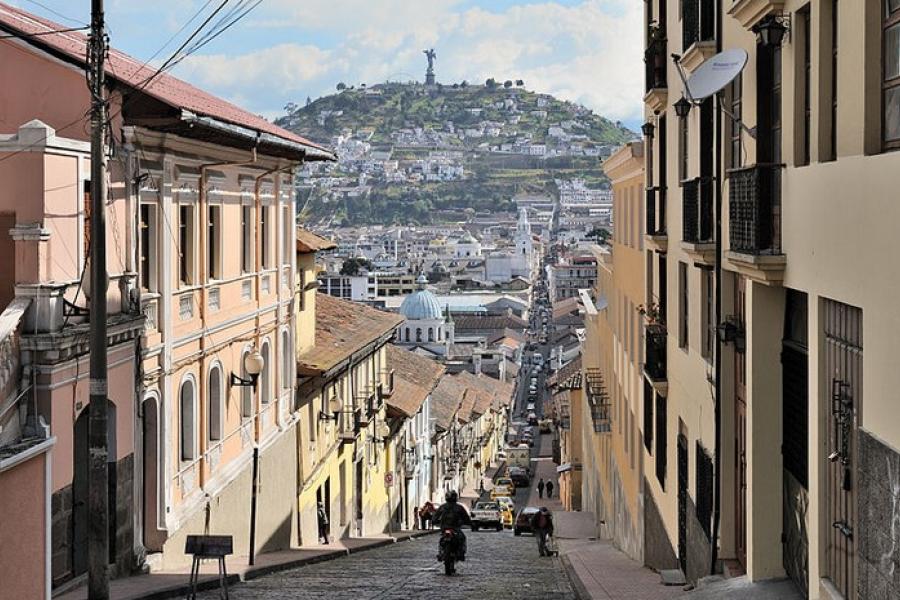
(349, 425)
(698, 219)
(598, 400)
(754, 221)
(655, 357)
(655, 60)
(750, 12)
(656, 218)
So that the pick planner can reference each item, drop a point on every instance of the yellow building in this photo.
(343, 439)
(614, 390)
(567, 397)
(767, 388)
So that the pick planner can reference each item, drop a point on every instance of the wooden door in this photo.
(843, 369)
(740, 431)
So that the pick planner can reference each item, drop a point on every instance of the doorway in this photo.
(7, 260)
(153, 537)
(359, 497)
(843, 370)
(682, 501)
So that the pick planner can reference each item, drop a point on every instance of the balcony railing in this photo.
(655, 60)
(697, 210)
(655, 353)
(349, 424)
(697, 22)
(754, 209)
(656, 211)
(599, 401)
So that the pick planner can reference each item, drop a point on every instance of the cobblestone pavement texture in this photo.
(498, 566)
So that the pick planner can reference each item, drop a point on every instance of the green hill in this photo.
(492, 132)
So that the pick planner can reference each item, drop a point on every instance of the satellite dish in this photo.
(715, 73)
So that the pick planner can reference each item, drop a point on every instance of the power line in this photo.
(57, 13)
(40, 33)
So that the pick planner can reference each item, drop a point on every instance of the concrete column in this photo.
(765, 318)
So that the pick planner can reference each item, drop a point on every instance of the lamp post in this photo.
(334, 407)
(682, 107)
(772, 29)
(253, 366)
(647, 129)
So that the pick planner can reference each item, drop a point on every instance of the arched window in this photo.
(265, 378)
(287, 359)
(214, 403)
(431, 334)
(439, 334)
(418, 334)
(407, 334)
(188, 420)
(246, 391)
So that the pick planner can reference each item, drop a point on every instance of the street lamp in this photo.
(682, 107)
(772, 29)
(253, 366)
(334, 407)
(647, 129)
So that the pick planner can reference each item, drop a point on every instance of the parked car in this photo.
(487, 514)
(532, 419)
(523, 520)
(545, 425)
(530, 407)
(520, 477)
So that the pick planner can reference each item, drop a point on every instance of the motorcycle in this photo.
(449, 550)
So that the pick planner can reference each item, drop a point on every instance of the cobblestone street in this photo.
(498, 566)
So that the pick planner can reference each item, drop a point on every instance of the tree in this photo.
(308, 100)
(490, 83)
(290, 108)
(351, 266)
(341, 86)
(507, 84)
(519, 83)
(464, 84)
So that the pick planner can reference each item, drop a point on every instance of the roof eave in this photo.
(300, 152)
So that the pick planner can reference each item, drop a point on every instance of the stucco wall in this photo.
(22, 527)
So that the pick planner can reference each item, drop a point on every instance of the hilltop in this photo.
(417, 154)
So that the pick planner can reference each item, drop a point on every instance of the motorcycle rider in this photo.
(451, 515)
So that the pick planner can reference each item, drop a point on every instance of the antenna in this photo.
(712, 76)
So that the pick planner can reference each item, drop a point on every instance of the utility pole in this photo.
(98, 482)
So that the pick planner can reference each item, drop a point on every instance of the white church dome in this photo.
(421, 305)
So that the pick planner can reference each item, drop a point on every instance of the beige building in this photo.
(615, 391)
(803, 425)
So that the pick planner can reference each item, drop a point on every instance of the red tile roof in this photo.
(414, 378)
(132, 72)
(342, 328)
(308, 242)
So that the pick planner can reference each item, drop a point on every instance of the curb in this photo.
(578, 587)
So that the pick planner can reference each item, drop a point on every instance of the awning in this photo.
(564, 467)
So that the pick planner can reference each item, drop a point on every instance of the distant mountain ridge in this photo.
(416, 153)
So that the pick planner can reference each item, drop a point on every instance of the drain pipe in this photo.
(717, 468)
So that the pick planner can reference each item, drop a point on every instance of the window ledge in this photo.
(750, 12)
(764, 268)
(697, 54)
(658, 242)
(656, 99)
(701, 252)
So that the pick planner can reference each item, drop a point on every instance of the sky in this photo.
(587, 51)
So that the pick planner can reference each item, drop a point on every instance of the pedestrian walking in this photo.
(549, 489)
(415, 517)
(540, 488)
(322, 518)
(542, 524)
(428, 515)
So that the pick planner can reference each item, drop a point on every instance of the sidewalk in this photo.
(172, 584)
(597, 569)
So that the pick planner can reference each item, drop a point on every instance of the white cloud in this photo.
(590, 52)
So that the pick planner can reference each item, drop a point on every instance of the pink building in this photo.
(202, 270)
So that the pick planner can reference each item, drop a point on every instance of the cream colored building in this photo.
(613, 404)
(808, 435)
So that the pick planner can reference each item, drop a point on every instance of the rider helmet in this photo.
(451, 496)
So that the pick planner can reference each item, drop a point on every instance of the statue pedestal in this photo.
(429, 77)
